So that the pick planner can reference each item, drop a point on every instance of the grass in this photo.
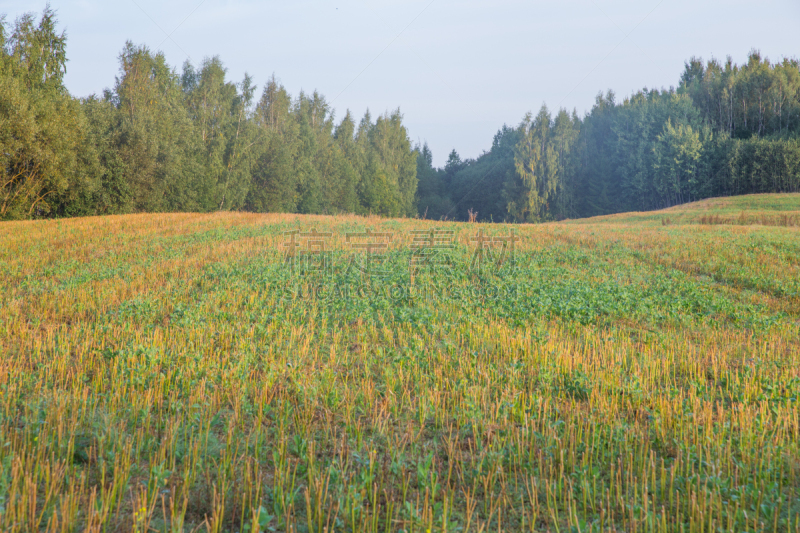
(747, 210)
(172, 373)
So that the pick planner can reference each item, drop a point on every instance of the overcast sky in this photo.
(458, 70)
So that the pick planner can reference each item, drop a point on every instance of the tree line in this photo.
(161, 139)
(727, 129)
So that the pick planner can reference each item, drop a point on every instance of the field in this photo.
(186, 372)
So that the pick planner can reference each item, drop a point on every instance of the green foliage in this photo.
(196, 141)
(160, 141)
(220, 115)
(483, 185)
(677, 156)
(755, 99)
(538, 158)
(44, 150)
(389, 178)
(433, 198)
(154, 135)
(274, 182)
(726, 130)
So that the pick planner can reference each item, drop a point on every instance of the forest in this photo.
(168, 140)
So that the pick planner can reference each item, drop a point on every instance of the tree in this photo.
(154, 135)
(566, 129)
(388, 181)
(677, 155)
(44, 151)
(274, 182)
(536, 161)
(597, 158)
(347, 161)
(219, 110)
(433, 200)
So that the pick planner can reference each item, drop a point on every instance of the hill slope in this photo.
(749, 209)
(179, 371)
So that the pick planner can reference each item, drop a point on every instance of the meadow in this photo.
(198, 372)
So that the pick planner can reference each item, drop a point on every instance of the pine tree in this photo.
(537, 163)
(274, 181)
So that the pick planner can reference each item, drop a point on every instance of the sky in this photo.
(457, 69)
